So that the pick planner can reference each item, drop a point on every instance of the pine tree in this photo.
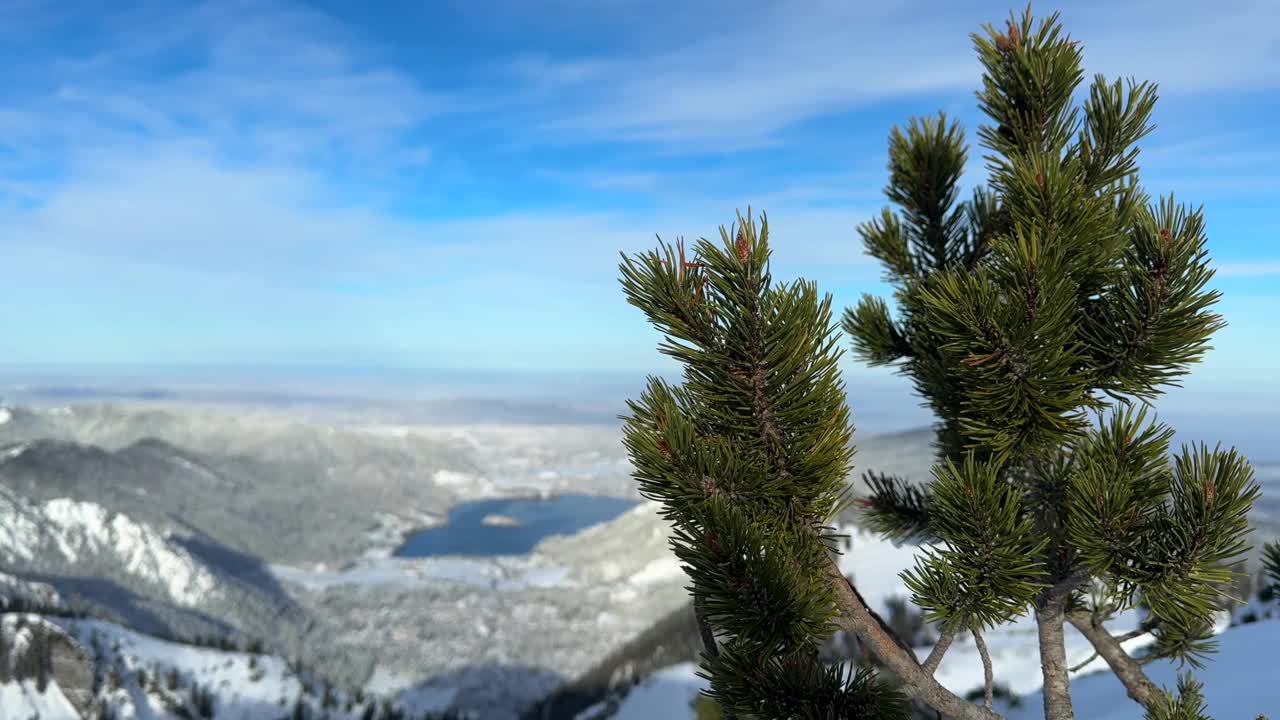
(1039, 320)
(1269, 585)
(749, 457)
(42, 656)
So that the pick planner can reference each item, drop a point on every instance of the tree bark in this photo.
(987, 675)
(932, 662)
(1135, 681)
(854, 616)
(1050, 617)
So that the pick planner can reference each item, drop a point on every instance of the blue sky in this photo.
(448, 184)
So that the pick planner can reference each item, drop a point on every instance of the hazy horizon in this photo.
(881, 401)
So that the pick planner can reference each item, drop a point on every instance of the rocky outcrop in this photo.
(32, 648)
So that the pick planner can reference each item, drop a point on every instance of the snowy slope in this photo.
(243, 686)
(70, 533)
(21, 700)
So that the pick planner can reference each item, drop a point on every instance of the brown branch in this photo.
(709, 645)
(939, 649)
(987, 675)
(1129, 670)
(704, 628)
(1147, 626)
(1078, 666)
(853, 616)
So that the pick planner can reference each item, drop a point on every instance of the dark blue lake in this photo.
(515, 524)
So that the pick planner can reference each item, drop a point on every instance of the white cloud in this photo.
(163, 208)
(741, 77)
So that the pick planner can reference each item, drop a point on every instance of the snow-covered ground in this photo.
(495, 573)
(1240, 680)
(1239, 683)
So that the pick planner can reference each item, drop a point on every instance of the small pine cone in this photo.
(1040, 180)
(1210, 491)
(742, 246)
(1003, 44)
(1013, 34)
(664, 448)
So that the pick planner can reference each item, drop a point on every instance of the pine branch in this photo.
(884, 626)
(945, 639)
(986, 665)
(1187, 704)
(1185, 643)
(749, 457)
(709, 645)
(896, 508)
(1137, 685)
(876, 339)
(1078, 666)
(1271, 563)
(1147, 626)
(856, 618)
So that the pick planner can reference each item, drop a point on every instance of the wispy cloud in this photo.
(747, 75)
(744, 76)
(262, 81)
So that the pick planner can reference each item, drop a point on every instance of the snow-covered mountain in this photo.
(107, 563)
(69, 535)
